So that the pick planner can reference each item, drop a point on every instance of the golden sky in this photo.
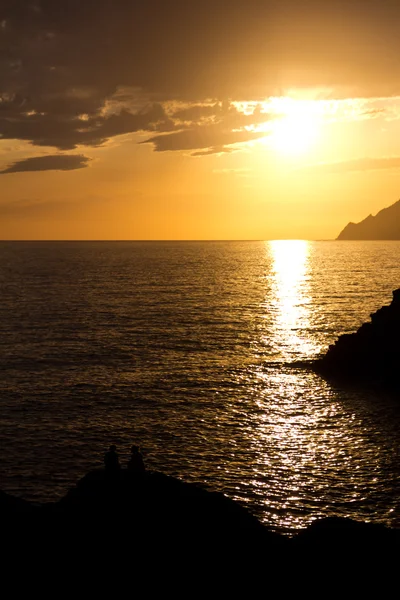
(197, 120)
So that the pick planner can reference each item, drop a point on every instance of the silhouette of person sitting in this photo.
(111, 460)
(136, 463)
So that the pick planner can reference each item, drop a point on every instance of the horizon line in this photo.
(149, 240)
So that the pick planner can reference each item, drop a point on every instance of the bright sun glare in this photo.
(295, 130)
(291, 296)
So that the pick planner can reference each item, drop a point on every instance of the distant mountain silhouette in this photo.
(384, 226)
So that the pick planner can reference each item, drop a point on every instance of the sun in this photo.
(292, 135)
(296, 127)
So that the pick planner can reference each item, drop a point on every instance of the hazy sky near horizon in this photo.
(254, 119)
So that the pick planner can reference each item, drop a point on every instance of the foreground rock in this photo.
(372, 354)
(141, 507)
(152, 532)
(384, 226)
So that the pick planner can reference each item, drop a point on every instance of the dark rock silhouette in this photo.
(163, 507)
(11, 506)
(384, 226)
(350, 535)
(152, 532)
(372, 354)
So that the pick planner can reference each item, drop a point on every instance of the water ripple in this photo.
(189, 349)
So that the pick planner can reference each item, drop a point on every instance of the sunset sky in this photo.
(178, 119)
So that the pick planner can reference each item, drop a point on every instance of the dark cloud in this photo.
(64, 61)
(211, 128)
(66, 132)
(216, 150)
(222, 112)
(199, 112)
(359, 164)
(56, 162)
(201, 137)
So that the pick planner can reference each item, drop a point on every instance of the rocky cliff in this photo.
(372, 354)
(384, 226)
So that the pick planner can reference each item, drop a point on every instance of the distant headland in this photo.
(384, 226)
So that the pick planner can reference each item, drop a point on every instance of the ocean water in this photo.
(189, 349)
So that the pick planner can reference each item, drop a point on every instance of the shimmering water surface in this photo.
(188, 348)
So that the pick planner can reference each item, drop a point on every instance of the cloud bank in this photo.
(56, 162)
(76, 74)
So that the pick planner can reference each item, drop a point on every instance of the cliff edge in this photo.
(371, 354)
(384, 226)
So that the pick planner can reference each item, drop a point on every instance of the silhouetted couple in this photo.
(135, 463)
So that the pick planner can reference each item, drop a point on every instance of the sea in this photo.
(192, 351)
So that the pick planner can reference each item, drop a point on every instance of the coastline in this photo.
(371, 355)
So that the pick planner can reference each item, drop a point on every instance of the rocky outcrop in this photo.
(107, 510)
(384, 226)
(160, 506)
(372, 354)
(151, 534)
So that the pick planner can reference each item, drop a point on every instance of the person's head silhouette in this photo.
(111, 459)
(136, 463)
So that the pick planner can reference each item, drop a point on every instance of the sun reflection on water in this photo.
(291, 435)
(289, 305)
(308, 451)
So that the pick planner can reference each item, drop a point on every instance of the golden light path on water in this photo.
(290, 300)
(306, 446)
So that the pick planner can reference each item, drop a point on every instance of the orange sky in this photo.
(197, 121)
